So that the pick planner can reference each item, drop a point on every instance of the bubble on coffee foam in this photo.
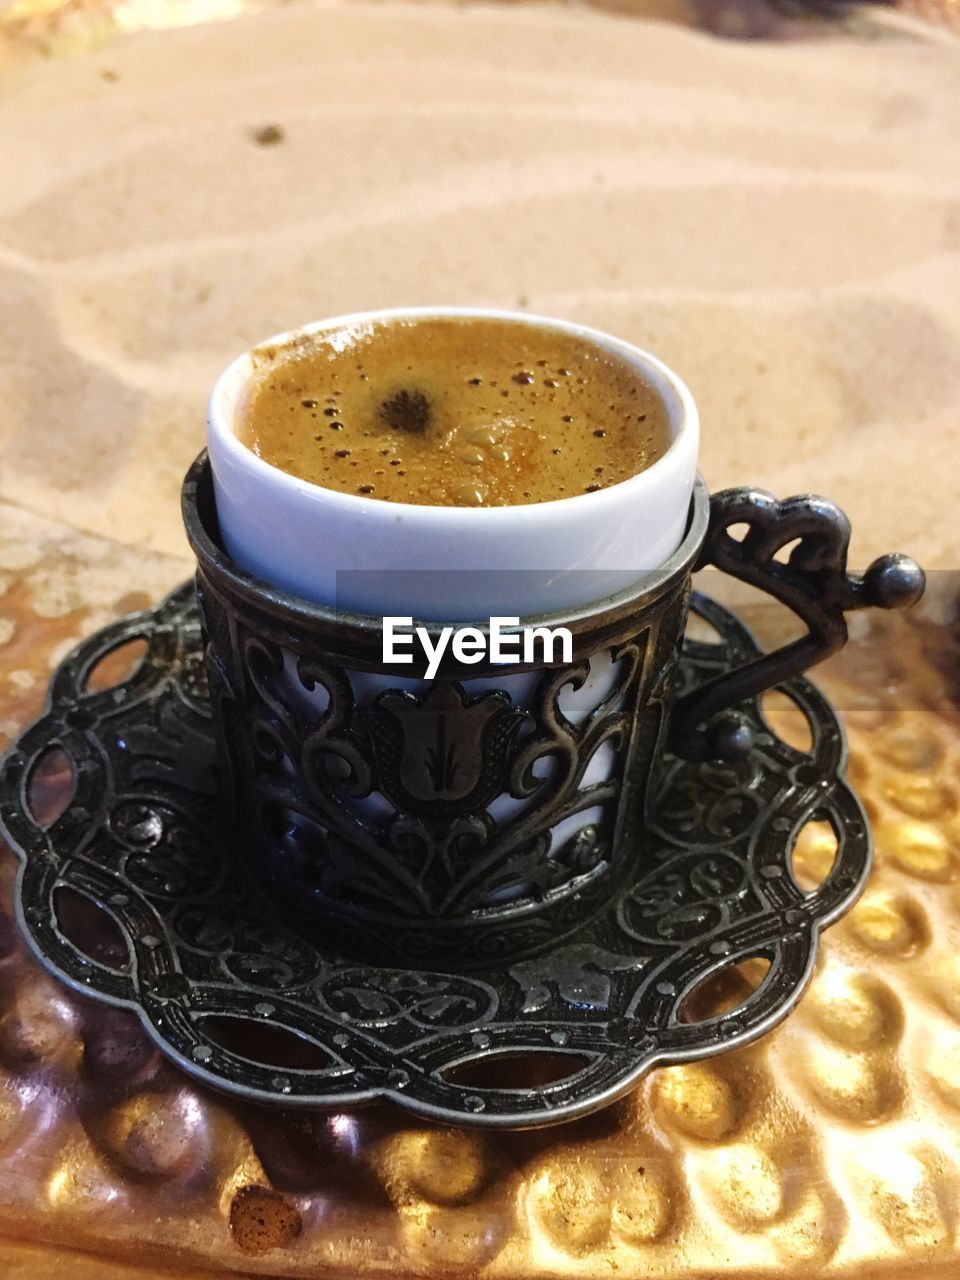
(481, 436)
(469, 495)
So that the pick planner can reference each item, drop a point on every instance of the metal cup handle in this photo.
(813, 582)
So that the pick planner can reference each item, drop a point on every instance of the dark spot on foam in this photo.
(408, 410)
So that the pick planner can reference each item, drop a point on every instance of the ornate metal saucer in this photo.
(128, 891)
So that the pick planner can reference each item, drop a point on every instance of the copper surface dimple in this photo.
(262, 1220)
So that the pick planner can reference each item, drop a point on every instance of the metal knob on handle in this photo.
(813, 581)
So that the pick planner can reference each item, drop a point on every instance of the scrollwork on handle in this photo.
(813, 582)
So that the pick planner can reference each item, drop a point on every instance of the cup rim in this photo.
(198, 507)
(673, 392)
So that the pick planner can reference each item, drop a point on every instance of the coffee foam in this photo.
(452, 411)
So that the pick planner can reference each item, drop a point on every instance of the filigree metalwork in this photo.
(174, 930)
(477, 815)
(813, 581)
(446, 819)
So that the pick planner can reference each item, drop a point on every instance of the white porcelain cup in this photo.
(355, 553)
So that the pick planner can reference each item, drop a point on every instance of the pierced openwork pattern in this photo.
(175, 932)
(452, 820)
(488, 813)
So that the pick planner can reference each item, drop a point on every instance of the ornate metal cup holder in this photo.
(129, 892)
